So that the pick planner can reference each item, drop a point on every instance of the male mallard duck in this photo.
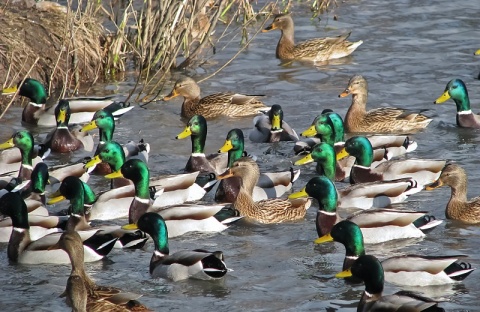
(270, 184)
(81, 292)
(378, 225)
(457, 91)
(270, 127)
(379, 120)
(316, 50)
(105, 122)
(411, 270)
(67, 138)
(36, 113)
(274, 210)
(198, 263)
(424, 171)
(458, 207)
(197, 129)
(22, 249)
(369, 270)
(23, 140)
(214, 105)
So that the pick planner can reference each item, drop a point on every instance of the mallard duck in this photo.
(274, 210)
(67, 138)
(316, 50)
(378, 225)
(180, 218)
(214, 105)
(82, 294)
(424, 171)
(457, 91)
(22, 249)
(23, 140)
(379, 120)
(270, 127)
(458, 207)
(198, 263)
(270, 184)
(197, 129)
(36, 113)
(369, 270)
(411, 270)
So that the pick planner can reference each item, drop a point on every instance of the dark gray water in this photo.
(411, 50)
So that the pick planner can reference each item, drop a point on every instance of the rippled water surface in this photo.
(411, 50)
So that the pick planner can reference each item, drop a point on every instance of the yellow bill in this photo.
(226, 174)
(344, 274)
(309, 132)
(55, 198)
(342, 154)
(93, 162)
(114, 175)
(8, 91)
(276, 123)
(324, 239)
(477, 52)
(8, 144)
(344, 93)
(434, 185)
(131, 226)
(185, 133)
(305, 160)
(444, 97)
(268, 28)
(172, 94)
(62, 116)
(226, 146)
(90, 126)
(300, 194)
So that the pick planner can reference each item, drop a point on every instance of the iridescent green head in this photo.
(324, 155)
(34, 90)
(457, 91)
(104, 121)
(72, 189)
(112, 153)
(39, 178)
(13, 205)
(137, 171)
(62, 113)
(370, 271)
(154, 225)
(234, 145)
(197, 129)
(324, 191)
(349, 234)
(361, 148)
(23, 140)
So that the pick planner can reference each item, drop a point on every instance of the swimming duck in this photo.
(377, 225)
(67, 138)
(197, 264)
(458, 207)
(411, 270)
(369, 270)
(270, 184)
(274, 210)
(36, 112)
(316, 50)
(379, 120)
(424, 171)
(22, 249)
(82, 294)
(23, 140)
(214, 105)
(270, 127)
(457, 91)
(197, 129)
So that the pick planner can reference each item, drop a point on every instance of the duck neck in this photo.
(198, 142)
(244, 202)
(78, 268)
(286, 44)
(459, 190)
(462, 103)
(234, 155)
(106, 133)
(357, 110)
(364, 157)
(27, 155)
(327, 167)
(142, 187)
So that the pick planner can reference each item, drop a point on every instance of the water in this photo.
(411, 50)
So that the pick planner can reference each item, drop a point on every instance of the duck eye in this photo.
(107, 151)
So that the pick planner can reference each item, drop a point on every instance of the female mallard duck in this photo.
(36, 113)
(197, 129)
(378, 225)
(316, 50)
(198, 263)
(181, 218)
(379, 120)
(22, 249)
(424, 171)
(23, 140)
(411, 270)
(214, 105)
(457, 91)
(369, 270)
(82, 294)
(270, 184)
(66, 138)
(270, 127)
(274, 210)
(458, 207)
